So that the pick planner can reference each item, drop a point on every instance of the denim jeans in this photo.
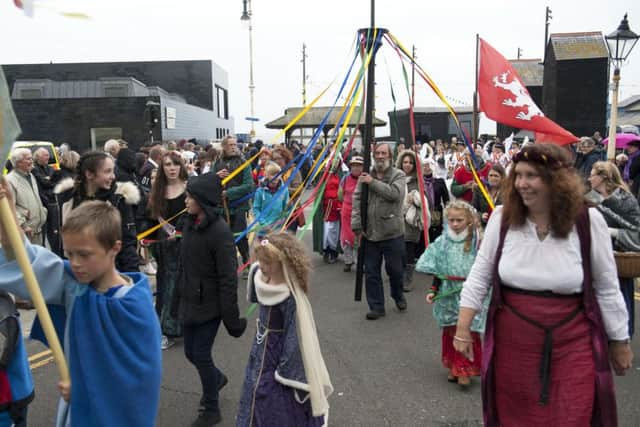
(198, 346)
(392, 250)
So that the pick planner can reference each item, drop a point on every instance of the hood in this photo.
(128, 190)
(400, 157)
(126, 160)
(207, 191)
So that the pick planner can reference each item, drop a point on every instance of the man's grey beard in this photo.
(382, 165)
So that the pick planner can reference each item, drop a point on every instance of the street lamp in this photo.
(620, 43)
(246, 18)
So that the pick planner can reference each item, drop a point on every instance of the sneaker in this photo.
(149, 269)
(207, 419)
(166, 342)
(402, 304)
(375, 315)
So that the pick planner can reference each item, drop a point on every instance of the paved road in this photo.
(385, 372)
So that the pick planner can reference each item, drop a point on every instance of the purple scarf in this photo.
(428, 188)
(627, 166)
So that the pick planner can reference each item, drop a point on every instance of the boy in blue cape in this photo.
(106, 322)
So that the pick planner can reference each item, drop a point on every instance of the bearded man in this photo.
(384, 233)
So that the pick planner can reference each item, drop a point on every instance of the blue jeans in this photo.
(198, 346)
(627, 288)
(393, 252)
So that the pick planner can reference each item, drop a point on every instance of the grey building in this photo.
(84, 104)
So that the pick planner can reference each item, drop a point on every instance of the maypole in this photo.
(372, 43)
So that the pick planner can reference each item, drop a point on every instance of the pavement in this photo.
(385, 372)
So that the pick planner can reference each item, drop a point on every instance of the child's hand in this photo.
(430, 297)
(65, 390)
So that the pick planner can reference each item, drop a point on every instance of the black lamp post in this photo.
(620, 43)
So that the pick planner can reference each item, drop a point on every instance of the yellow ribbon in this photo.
(162, 224)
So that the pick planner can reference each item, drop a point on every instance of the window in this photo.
(222, 103)
(115, 91)
(30, 93)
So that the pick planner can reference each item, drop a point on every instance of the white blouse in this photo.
(553, 264)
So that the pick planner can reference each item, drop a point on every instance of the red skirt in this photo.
(459, 365)
(518, 355)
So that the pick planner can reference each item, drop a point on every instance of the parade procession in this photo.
(433, 235)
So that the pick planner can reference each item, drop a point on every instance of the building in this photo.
(84, 104)
(629, 112)
(316, 117)
(430, 122)
(531, 73)
(576, 82)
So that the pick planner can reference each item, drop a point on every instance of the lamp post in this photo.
(620, 43)
(246, 18)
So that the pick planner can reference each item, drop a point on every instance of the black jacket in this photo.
(122, 195)
(45, 176)
(208, 286)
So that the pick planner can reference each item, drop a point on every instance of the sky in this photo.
(443, 34)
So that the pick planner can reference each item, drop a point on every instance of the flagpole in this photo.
(476, 123)
(15, 238)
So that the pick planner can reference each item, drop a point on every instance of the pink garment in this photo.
(348, 185)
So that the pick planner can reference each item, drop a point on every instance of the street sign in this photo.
(252, 119)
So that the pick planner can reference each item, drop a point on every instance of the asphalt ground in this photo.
(385, 372)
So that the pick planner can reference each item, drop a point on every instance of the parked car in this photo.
(34, 145)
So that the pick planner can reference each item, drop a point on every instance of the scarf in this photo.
(428, 189)
(320, 387)
(627, 166)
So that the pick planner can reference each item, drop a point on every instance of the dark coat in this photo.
(209, 282)
(634, 176)
(240, 186)
(122, 195)
(45, 176)
(585, 162)
(621, 211)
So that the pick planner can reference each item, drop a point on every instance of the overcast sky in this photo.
(442, 31)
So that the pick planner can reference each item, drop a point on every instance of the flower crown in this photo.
(537, 157)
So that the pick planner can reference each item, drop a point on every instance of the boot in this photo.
(408, 278)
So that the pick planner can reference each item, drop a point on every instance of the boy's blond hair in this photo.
(102, 219)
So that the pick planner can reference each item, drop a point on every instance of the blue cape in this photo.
(115, 360)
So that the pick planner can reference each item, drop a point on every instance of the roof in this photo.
(568, 46)
(529, 70)
(631, 118)
(313, 118)
(432, 110)
(628, 102)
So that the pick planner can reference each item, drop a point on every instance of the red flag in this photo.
(504, 99)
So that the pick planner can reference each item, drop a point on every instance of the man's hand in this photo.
(65, 390)
(222, 174)
(365, 178)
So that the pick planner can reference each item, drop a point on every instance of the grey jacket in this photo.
(384, 211)
(621, 211)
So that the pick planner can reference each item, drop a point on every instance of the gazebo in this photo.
(313, 118)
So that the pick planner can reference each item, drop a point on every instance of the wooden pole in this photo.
(15, 238)
(476, 122)
(368, 139)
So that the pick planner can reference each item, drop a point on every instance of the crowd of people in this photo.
(473, 216)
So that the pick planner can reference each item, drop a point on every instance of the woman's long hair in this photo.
(566, 188)
(610, 175)
(157, 198)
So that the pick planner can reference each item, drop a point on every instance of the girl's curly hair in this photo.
(294, 252)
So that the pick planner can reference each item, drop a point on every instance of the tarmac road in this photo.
(385, 372)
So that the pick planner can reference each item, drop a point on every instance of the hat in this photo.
(635, 143)
(499, 145)
(356, 159)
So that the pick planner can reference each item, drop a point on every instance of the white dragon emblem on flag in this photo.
(522, 98)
